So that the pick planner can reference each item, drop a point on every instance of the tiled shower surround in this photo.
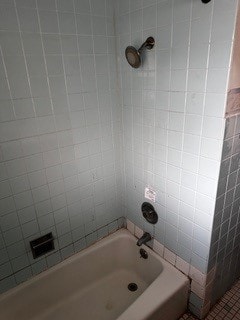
(173, 129)
(82, 133)
(60, 126)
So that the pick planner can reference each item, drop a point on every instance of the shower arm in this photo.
(149, 43)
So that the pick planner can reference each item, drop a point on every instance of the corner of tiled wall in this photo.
(225, 248)
(200, 284)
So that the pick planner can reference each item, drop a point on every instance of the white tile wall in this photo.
(173, 116)
(58, 131)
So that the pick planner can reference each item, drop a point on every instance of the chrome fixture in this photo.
(149, 213)
(144, 239)
(133, 55)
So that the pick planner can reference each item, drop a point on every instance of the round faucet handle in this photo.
(149, 213)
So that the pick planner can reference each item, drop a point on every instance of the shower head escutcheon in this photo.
(133, 55)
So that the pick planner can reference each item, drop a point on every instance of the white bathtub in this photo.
(93, 285)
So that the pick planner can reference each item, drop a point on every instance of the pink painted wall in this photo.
(233, 99)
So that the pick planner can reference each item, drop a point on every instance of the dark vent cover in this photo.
(42, 245)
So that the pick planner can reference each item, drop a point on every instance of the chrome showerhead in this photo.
(133, 55)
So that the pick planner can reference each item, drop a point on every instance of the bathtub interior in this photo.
(90, 285)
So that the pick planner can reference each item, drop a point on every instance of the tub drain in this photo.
(132, 286)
